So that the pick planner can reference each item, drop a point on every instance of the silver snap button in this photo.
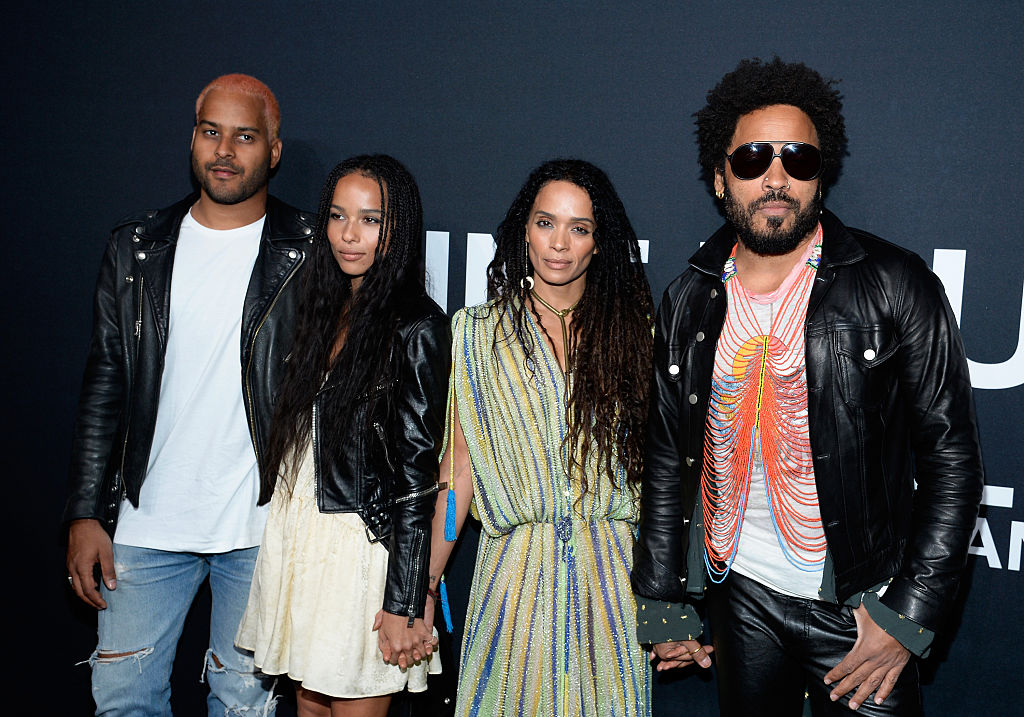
(714, 293)
(292, 254)
(869, 354)
(135, 239)
(307, 231)
(141, 256)
(700, 335)
(693, 398)
(129, 278)
(673, 370)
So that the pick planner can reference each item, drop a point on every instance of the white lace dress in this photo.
(317, 586)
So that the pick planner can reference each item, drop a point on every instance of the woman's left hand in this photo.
(400, 644)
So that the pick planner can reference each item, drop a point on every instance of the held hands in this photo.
(681, 654)
(88, 544)
(873, 665)
(400, 644)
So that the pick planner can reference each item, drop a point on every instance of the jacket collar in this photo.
(838, 246)
(164, 224)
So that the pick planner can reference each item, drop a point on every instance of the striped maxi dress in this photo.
(550, 628)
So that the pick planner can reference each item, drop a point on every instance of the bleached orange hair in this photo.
(247, 85)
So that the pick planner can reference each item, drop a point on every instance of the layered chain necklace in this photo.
(758, 412)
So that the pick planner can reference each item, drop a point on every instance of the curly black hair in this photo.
(756, 84)
(612, 341)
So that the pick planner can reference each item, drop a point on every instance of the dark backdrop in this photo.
(99, 113)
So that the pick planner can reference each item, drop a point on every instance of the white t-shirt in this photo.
(202, 481)
(759, 555)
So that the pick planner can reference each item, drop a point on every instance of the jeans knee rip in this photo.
(248, 671)
(110, 657)
(248, 678)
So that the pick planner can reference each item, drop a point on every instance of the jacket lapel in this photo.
(153, 245)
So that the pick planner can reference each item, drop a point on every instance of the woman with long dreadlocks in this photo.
(547, 405)
(353, 453)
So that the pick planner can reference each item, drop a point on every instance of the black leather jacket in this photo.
(388, 472)
(889, 403)
(121, 387)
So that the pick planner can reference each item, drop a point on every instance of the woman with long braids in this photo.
(352, 457)
(547, 404)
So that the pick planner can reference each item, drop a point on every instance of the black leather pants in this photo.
(770, 648)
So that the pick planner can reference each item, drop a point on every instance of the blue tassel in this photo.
(446, 609)
(449, 518)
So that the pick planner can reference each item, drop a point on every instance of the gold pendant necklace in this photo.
(561, 314)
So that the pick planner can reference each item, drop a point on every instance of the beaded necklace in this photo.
(758, 410)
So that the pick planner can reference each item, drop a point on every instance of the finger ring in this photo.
(71, 581)
(699, 649)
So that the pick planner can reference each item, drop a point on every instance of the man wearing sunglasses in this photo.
(813, 470)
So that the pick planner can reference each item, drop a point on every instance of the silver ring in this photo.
(71, 581)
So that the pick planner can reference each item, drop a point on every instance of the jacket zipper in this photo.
(252, 347)
(417, 494)
(128, 423)
(417, 543)
(384, 444)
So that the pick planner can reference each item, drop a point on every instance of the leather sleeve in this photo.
(935, 388)
(419, 426)
(101, 400)
(659, 558)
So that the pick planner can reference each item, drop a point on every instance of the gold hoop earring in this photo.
(720, 194)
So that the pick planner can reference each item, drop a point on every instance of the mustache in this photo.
(776, 196)
(212, 166)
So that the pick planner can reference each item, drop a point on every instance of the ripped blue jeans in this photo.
(139, 632)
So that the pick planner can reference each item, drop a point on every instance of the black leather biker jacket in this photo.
(388, 471)
(121, 387)
(889, 403)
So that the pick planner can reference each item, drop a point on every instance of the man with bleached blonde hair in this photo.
(193, 316)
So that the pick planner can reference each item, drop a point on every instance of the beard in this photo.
(247, 187)
(773, 241)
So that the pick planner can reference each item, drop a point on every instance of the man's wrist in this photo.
(908, 633)
(658, 621)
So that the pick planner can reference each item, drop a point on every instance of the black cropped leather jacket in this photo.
(388, 472)
(889, 403)
(121, 386)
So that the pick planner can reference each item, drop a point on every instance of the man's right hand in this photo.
(88, 544)
(681, 654)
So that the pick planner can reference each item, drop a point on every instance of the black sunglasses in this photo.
(801, 161)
